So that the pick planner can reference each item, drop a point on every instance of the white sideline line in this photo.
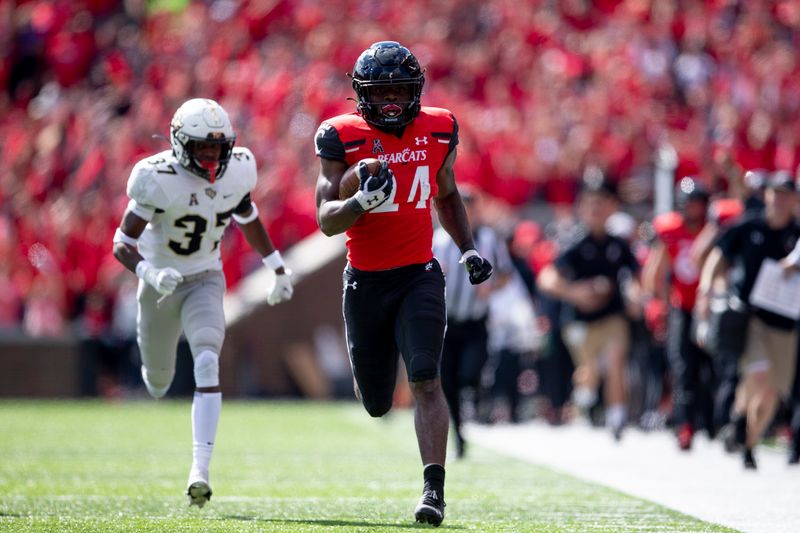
(705, 483)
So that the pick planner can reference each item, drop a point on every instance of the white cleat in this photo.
(199, 491)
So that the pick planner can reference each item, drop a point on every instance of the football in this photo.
(350, 182)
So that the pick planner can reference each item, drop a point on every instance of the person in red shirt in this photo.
(676, 232)
(393, 286)
(747, 201)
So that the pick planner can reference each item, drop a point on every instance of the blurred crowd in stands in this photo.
(542, 90)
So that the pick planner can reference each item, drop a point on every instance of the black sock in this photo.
(740, 423)
(434, 477)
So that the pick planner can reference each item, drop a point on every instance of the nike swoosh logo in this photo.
(227, 195)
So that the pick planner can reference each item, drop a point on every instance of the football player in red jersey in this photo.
(723, 213)
(676, 232)
(393, 286)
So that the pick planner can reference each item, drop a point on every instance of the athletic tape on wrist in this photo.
(142, 267)
(466, 255)
(273, 261)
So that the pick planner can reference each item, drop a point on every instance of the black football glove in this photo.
(374, 190)
(478, 268)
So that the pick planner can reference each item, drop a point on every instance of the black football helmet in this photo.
(387, 63)
(690, 188)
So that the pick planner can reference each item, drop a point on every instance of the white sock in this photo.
(616, 415)
(205, 417)
(584, 397)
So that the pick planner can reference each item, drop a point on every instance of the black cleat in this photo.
(616, 432)
(461, 447)
(732, 437)
(430, 509)
(199, 493)
(749, 460)
(794, 451)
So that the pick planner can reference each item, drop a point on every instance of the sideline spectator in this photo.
(767, 365)
(669, 260)
(590, 276)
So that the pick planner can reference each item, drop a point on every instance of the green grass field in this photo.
(91, 466)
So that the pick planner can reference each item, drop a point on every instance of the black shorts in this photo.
(386, 311)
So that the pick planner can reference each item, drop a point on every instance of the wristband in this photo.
(273, 261)
(466, 255)
(142, 267)
(355, 205)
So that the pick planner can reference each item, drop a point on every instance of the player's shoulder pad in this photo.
(667, 223)
(243, 168)
(144, 183)
(347, 120)
(441, 123)
(436, 112)
(328, 143)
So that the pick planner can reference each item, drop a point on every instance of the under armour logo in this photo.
(429, 267)
(349, 285)
(377, 146)
(372, 200)
(421, 140)
(193, 199)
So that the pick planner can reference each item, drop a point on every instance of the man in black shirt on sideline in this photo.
(767, 365)
(590, 277)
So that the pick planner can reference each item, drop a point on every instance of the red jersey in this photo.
(400, 231)
(678, 239)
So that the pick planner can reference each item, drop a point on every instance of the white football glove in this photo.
(164, 280)
(282, 290)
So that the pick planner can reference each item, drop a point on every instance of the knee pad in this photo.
(422, 366)
(207, 339)
(158, 381)
(206, 369)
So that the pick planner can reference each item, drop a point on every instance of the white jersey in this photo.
(187, 214)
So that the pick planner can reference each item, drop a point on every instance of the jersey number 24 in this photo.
(421, 186)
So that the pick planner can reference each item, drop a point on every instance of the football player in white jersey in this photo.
(181, 201)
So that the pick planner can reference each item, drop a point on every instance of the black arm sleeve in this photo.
(328, 144)
(243, 206)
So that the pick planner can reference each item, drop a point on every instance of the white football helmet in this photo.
(201, 119)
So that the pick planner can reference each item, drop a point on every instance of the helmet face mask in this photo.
(384, 66)
(202, 121)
